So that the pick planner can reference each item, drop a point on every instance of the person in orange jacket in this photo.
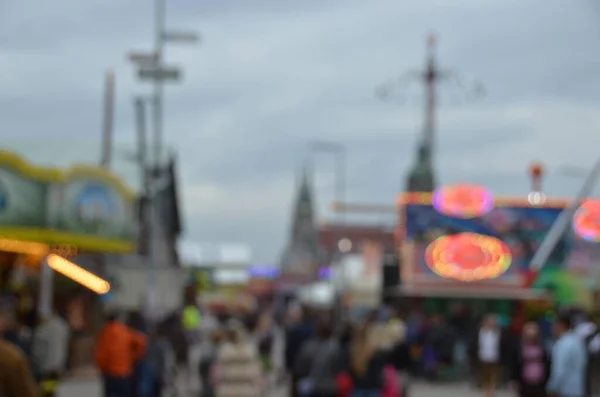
(117, 349)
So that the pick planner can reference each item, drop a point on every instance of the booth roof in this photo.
(53, 153)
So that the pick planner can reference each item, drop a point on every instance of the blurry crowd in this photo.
(363, 359)
(563, 362)
(31, 363)
(312, 353)
(190, 352)
(378, 355)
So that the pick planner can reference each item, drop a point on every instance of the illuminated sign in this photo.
(78, 274)
(586, 222)
(325, 273)
(264, 272)
(83, 206)
(468, 257)
(56, 261)
(518, 224)
(36, 249)
(24, 247)
(463, 201)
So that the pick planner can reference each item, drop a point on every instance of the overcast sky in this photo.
(270, 76)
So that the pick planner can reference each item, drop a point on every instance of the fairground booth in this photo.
(462, 246)
(50, 221)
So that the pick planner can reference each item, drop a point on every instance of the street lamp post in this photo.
(151, 187)
(151, 68)
(159, 27)
(153, 217)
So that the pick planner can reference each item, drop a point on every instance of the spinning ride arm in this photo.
(560, 226)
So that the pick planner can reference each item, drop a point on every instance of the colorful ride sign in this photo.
(86, 207)
(463, 201)
(468, 257)
(586, 222)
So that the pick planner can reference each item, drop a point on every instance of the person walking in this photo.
(368, 358)
(318, 364)
(530, 365)
(568, 367)
(487, 353)
(118, 348)
(141, 378)
(208, 360)
(16, 378)
(238, 371)
(50, 351)
(438, 346)
(298, 332)
(588, 331)
(191, 321)
(265, 336)
(160, 361)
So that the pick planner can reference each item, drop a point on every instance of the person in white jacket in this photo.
(50, 351)
(238, 371)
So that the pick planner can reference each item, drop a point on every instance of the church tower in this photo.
(303, 254)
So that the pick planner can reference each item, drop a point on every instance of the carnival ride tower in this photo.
(421, 177)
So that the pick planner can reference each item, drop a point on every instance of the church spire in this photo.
(305, 191)
(304, 211)
(303, 253)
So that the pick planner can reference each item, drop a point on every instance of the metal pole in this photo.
(109, 103)
(142, 149)
(561, 225)
(341, 197)
(341, 182)
(159, 26)
(145, 218)
(160, 13)
(45, 299)
(107, 130)
(151, 215)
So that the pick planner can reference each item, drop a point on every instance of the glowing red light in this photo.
(536, 170)
(586, 222)
(468, 257)
(463, 201)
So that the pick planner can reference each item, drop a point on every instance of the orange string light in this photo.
(24, 247)
(78, 274)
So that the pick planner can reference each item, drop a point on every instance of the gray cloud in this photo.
(270, 76)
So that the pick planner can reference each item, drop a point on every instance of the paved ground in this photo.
(426, 390)
(92, 389)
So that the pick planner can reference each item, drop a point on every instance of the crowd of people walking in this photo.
(378, 355)
(375, 355)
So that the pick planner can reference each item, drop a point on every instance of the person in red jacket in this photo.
(117, 349)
